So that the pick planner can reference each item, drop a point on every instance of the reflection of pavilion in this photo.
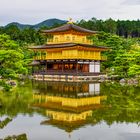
(69, 106)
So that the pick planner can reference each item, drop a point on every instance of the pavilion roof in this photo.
(68, 27)
(71, 109)
(34, 62)
(66, 45)
(68, 126)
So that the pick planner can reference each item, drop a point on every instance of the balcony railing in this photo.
(103, 58)
(64, 41)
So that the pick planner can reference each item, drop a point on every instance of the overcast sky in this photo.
(35, 11)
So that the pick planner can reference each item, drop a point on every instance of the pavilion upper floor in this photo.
(69, 33)
(68, 51)
(69, 37)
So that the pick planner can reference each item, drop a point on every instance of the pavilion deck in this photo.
(70, 72)
(70, 76)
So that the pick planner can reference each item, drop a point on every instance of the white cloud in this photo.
(34, 11)
(131, 2)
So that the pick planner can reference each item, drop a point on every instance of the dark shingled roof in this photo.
(65, 45)
(68, 27)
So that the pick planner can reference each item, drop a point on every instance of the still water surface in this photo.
(71, 111)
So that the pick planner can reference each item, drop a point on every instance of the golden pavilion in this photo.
(68, 55)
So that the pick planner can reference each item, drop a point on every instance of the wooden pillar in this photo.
(77, 66)
(62, 66)
(46, 66)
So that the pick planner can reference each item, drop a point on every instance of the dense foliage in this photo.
(23, 37)
(123, 56)
(12, 58)
(124, 28)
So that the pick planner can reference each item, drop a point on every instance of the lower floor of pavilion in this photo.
(69, 67)
(66, 70)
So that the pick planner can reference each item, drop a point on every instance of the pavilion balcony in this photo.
(84, 57)
(65, 72)
(71, 41)
(39, 57)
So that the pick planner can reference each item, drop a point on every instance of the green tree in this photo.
(110, 26)
(12, 61)
(127, 63)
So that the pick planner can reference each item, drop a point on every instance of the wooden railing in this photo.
(74, 73)
(70, 57)
(64, 41)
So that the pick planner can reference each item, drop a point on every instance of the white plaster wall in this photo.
(94, 89)
(91, 68)
(94, 67)
(97, 67)
(97, 89)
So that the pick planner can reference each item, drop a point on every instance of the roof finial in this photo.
(70, 21)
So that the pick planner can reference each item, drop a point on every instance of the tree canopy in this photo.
(12, 59)
(125, 28)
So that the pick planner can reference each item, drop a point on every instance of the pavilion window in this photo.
(55, 66)
(67, 38)
(59, 66)
(83, 40)
(50, 66)
(50, 39)
(71, 66)
(56, 39)
(66, 66)
(73, 38)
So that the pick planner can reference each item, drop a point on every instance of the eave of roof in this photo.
(66, 45)
(34, 62)
(68, 27)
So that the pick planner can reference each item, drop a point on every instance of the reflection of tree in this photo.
(16, 101)
(19, 137)
(5, 122)
(123, 104)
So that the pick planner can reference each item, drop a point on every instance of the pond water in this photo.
(71, 111)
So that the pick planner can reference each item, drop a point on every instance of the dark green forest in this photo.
(122, 37)
(124, 28)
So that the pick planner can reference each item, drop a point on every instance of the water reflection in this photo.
(45, 110)
(4, 122)
(19, 137)
(69, 105)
